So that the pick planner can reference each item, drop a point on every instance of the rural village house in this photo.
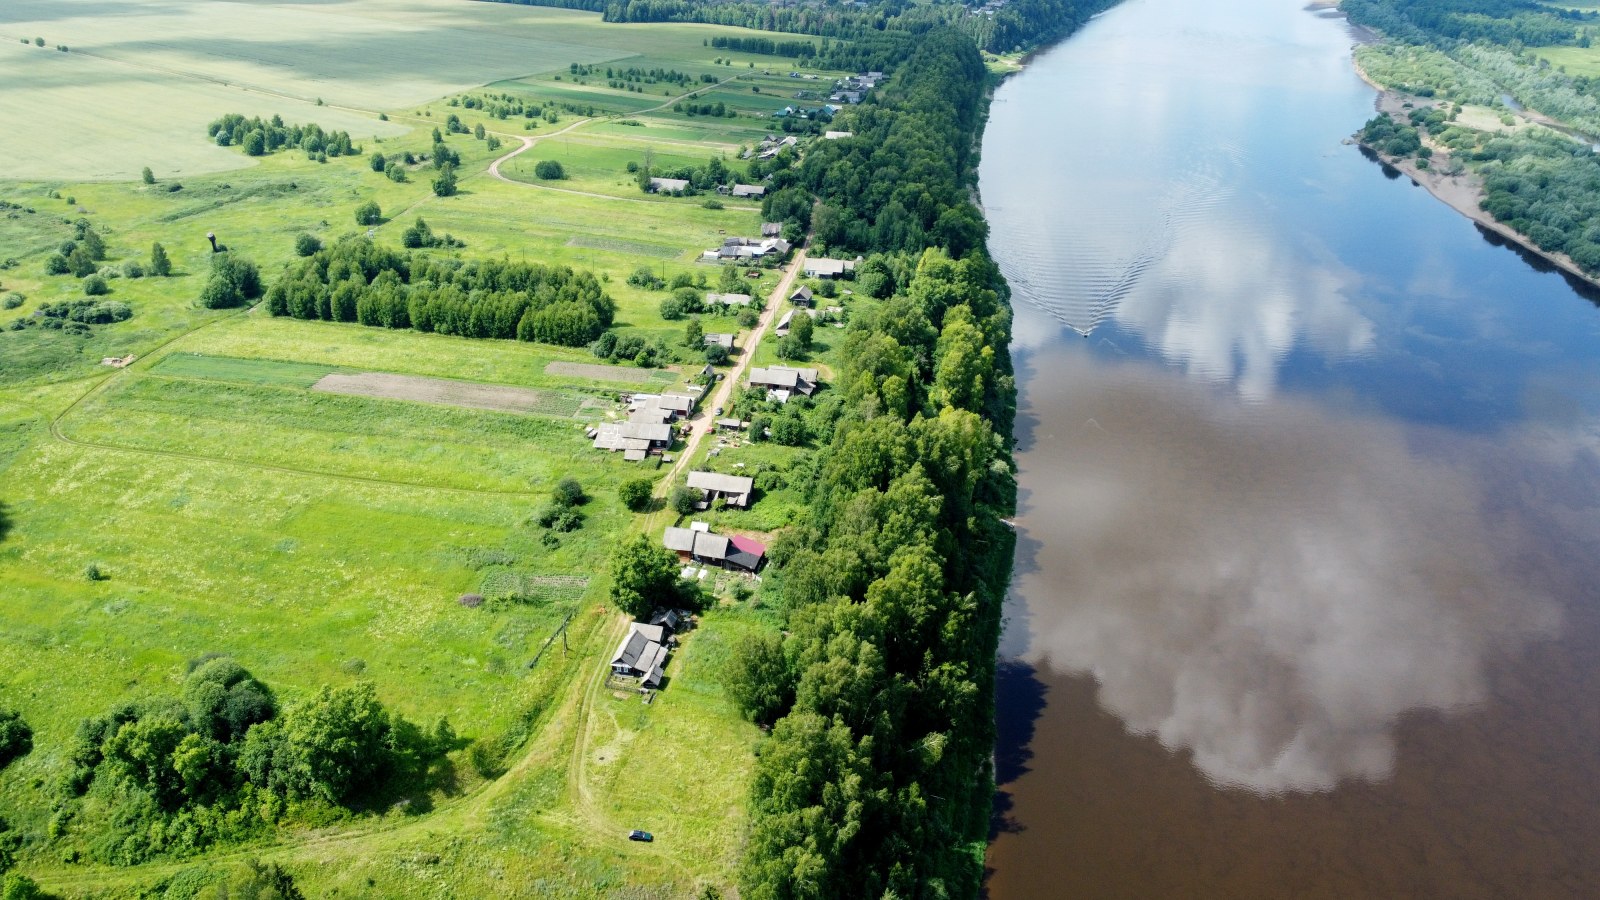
(783, 382)
(734, 490)
(697, 544)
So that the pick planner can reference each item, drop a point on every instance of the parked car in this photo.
(637, 835)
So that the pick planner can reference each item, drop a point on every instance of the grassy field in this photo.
(324, 538)
(1577, 61)
(142, 78)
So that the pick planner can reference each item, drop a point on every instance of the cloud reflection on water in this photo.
(1228, 305)
(1268, 592)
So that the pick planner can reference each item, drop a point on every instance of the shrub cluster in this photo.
(258, 137)
(220, 760)
(75, 316)
(234, 281)
(563, 512)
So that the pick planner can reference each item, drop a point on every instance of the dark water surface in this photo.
(1306, 600)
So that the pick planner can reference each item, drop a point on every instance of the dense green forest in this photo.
(356, 280)
(1017, 25)
(1496, 21)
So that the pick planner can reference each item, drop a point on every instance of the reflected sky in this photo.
(1306, 571)
(1268, 592)
(1270, 583)
(1186, 261)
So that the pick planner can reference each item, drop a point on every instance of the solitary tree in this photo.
(16, 738)
(801, 330)
(444, 185)
(643, 576)
(376, 161)
(693, 334)
(234, 281)
(80, 261)
(568, 492)
(307, 244)
(94, 244)
(635, 494)
(148, 176)
(160, 265)
(549, 170)
(368, 213)
(682, 500)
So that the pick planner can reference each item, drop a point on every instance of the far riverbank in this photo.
(1463, 192)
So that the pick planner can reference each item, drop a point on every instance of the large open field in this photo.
(142, 78)
(315, 498)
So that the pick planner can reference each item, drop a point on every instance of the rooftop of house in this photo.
(782, 376)
(716, 481)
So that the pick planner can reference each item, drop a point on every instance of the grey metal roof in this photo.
(637, 643)
(716, 481)
(710, 546)
(680, 540)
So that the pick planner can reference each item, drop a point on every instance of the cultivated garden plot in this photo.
(500, 398)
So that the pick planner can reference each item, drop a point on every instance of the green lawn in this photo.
(241, 371)
(391, 440)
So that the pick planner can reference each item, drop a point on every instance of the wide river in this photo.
(1307, 599)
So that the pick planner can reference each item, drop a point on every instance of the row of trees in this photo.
(891, 589)
(355, 280)
(708, 177)
(766, 46)
(876, 780)
(221, 760)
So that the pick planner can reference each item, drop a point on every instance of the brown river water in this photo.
(1305, 600)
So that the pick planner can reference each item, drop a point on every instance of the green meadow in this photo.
(209, 497)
